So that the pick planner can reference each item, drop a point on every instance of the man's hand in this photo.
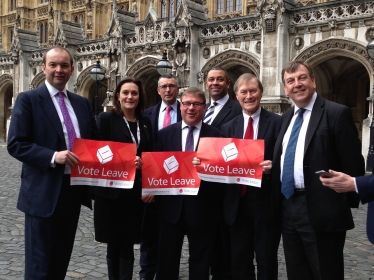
(196, 161)
(339, 182)
(138, 162)
(266, 166)
(67, 157)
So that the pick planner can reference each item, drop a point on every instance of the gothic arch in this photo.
(229, 58)
(145, 70)
(84, 82)
(38, 80)
(143, 65)
(6, 96)
(329, 48)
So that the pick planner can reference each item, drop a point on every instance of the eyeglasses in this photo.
(195, 104)
(168, 86)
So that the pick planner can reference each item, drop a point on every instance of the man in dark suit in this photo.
(363, 185)
(223, 108)
(44, 123)
(246, 208)
(168, 90)
(316, 134)
(165, 113)
(194, 215)
(219, 111)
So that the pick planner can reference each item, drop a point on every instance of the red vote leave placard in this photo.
(104, 164)
(231, 160)
(169, 173)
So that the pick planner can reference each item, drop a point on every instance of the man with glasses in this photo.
(165, 113)
(193, 215)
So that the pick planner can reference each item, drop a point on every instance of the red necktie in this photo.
(167, 118)
(248, 135)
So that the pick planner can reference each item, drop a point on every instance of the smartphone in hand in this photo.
(323, 174)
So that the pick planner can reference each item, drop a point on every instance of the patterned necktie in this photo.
(288, 183)
(167, 118)
(189, 140)
(248, 135)
(209, 113)
(67, 120)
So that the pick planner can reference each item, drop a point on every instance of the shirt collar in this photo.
(53, 91)
(164, 105)
(198, 126)
(255, 116)
(310, 105)
(221, 101)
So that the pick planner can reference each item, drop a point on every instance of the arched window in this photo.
(76, 19)
(171, 10)
(228, 6)
(81, 19)
(163, 9)
(46, 32)
(41, 33)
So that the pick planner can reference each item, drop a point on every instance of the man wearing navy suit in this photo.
(158, 114)
(193, 215)
(40, 136)
(220, 110)
(246, 208)
(316, 134)
(363, 185)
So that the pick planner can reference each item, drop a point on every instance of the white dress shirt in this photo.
(196, 135)
(173, 114)
(54, 96)
(256, 118)
(299, 153)
(220, 103)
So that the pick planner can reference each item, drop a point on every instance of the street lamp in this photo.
(370, 158)
(164, 66)
(97, 74)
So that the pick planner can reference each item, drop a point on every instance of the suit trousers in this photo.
(49, 241)
(249, 238)
(309, 254)
(200, 241)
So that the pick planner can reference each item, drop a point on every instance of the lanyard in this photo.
(137, 132)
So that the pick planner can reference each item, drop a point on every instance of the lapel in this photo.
(286, 119)
(49, 108)
(178, 137)
(154, 116)
(222, 113)
(317, 111)
(120, 125)
(239, 127)
(263, 124)
(179, 116)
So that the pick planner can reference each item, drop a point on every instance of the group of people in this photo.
(227, 226)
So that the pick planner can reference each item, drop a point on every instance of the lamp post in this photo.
(97, 74)
(370, 158)
(164, 66)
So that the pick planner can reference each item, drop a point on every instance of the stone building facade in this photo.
(241, 36)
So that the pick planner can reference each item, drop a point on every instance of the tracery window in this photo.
(171, 10)
(163, 9)
(43, 32)
(228, 6)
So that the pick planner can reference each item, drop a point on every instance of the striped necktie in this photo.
(67, 120)
(209, 113)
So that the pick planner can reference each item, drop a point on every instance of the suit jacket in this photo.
(153, 112)
(365, 187)
(112, 127)
(35, 134)
(268, 129)
(331, 142)
(200, 209)
(229, 111)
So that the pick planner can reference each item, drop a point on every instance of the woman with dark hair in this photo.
(118, 212)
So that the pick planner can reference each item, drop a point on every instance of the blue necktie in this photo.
(189, 140)
(288, 183)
